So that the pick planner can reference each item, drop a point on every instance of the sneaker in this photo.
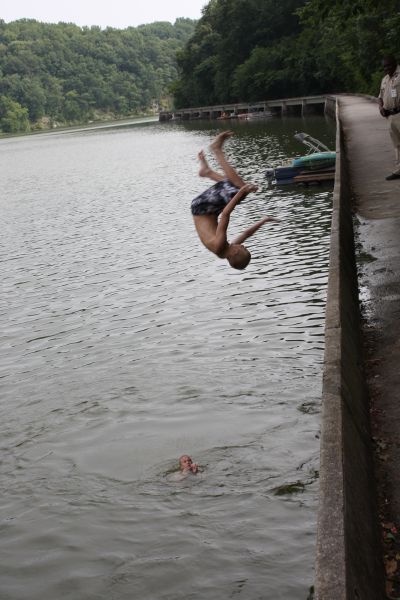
(393, 176)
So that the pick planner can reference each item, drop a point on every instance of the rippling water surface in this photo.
(126, 344)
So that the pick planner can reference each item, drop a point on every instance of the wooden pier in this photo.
(251, 110)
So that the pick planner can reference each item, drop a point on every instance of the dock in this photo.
(300, 106)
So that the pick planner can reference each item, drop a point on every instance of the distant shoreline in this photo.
(124, 122)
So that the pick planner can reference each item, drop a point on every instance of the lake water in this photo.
(126, 344)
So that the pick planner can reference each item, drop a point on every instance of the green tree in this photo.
(260, 49)
(224, 39)
(346, 41)
(13, 117)
(68, 73)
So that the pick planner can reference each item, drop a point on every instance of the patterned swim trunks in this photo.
(214, 199)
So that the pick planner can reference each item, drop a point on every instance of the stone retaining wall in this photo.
(348, 560)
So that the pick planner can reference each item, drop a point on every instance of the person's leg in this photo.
(206, 170)
(228, 170)
(394, 131)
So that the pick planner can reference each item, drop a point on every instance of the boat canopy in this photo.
(312, 144)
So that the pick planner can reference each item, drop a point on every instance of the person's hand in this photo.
(248, 188)
(385, 113)
(194, 468)
(268, 219)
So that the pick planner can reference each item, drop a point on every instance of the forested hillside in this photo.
(258, 49)
(63, 74)
(240, 50)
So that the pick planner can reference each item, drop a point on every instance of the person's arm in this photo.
(222, 228)
(251, 230)
(242, 193)
(382, 110)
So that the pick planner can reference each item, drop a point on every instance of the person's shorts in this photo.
(213, 200)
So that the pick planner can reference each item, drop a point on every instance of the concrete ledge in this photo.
(348, 560)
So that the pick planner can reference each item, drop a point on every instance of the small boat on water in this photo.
(226, 115)
(245, 116)
(251, 116)
(316, 166)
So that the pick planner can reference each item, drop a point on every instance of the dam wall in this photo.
(348, 557)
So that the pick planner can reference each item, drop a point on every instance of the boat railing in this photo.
(312, 144)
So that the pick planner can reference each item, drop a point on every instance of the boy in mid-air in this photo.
(220, 200)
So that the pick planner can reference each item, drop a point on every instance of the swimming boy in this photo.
(219, 201)
(186, 465)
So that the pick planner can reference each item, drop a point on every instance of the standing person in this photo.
(220, 200)
(389, 106)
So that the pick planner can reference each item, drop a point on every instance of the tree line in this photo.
(239, 50)
(60, 74)
(247, 50)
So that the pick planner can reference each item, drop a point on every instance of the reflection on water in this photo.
(126, 344)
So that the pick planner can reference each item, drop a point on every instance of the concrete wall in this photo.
(348, 561)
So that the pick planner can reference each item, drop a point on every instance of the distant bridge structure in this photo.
(285, 106)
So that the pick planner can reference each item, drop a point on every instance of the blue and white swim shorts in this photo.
(213, 200)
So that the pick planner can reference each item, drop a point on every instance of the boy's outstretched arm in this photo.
(220, 234)
(251, 230)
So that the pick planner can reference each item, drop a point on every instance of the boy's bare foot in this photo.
(204, 167)
(219, 140)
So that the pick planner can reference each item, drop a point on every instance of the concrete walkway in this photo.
(377, 205)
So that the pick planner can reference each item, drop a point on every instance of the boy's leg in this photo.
(229, 171)
(206, 170)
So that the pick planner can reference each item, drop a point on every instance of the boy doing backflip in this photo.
(219, 201)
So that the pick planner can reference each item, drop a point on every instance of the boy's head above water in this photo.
(186, 464)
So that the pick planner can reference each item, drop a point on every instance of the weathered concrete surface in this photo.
(359, 368)
(377, 203)
(371, 158)
(349, 562)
